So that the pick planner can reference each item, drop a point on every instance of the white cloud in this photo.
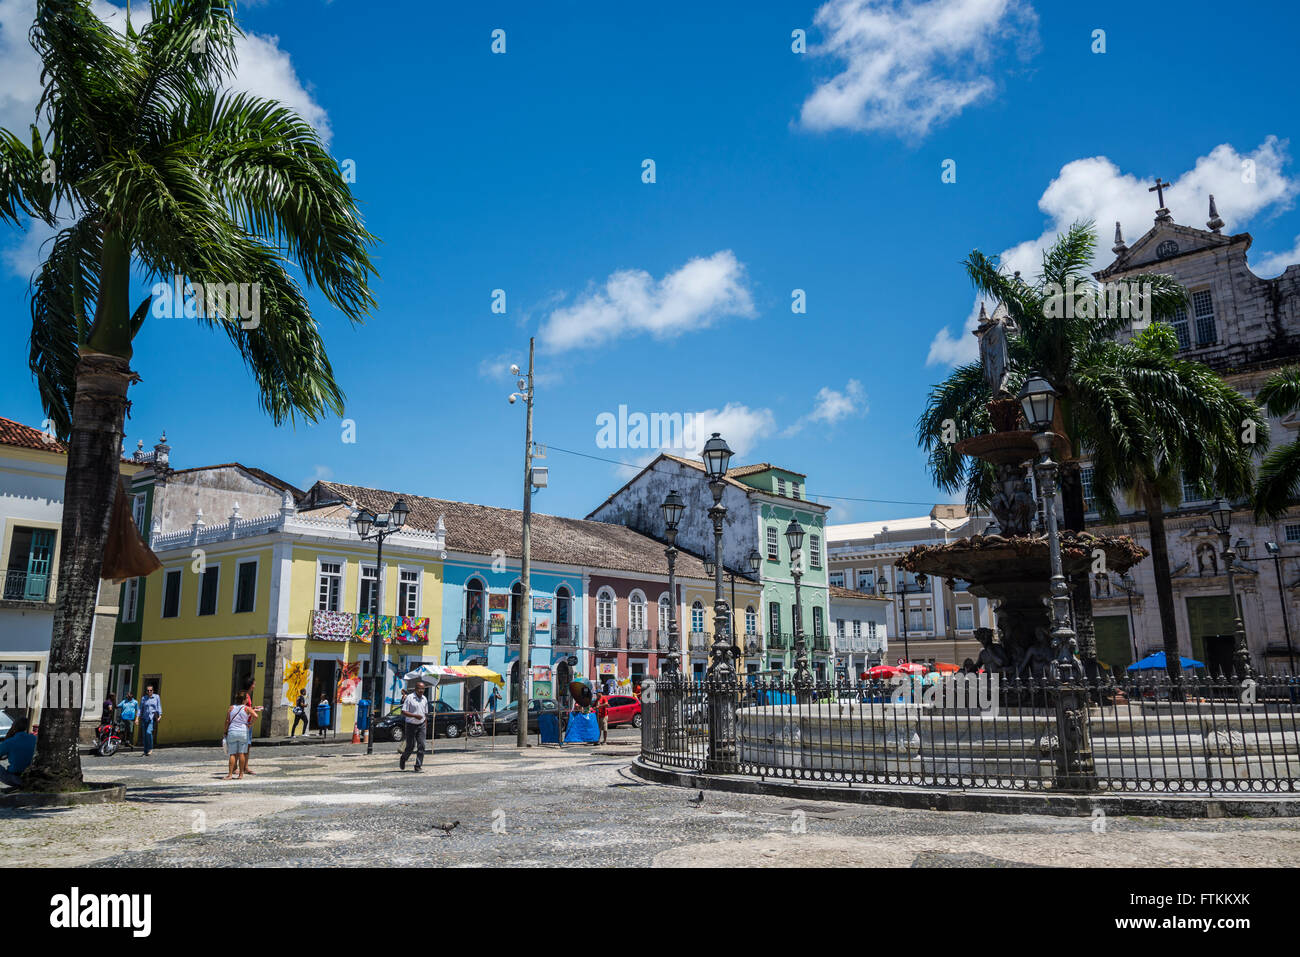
(321, 473)
(741, 426)
(633, 302)
(832, 406)
(1095, 188)
(1274, 264)
(911, 65)
(264, 69)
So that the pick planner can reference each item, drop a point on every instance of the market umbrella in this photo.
(946, 667)
(880, 671)
(1157, 660)
(912, 668)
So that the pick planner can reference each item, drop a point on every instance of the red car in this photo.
(623, 709)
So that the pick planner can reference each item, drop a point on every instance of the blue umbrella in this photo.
(1157, 660)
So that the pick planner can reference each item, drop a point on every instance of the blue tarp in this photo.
(1157, 660)
(582, 727)
(548, 725)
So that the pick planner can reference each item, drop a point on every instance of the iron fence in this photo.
(1133, 734)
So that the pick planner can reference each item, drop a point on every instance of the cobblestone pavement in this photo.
(323, 805)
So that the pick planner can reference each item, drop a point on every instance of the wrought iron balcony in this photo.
(563, 636)
(472, 634)
(21, 586)
(663, 642)
(607, 637)
(638, 639)
(779, 641)
(700, 640)
(818, 642)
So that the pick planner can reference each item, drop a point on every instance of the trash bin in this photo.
(363, 715)
(548, 725)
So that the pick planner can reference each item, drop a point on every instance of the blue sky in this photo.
(774, 171)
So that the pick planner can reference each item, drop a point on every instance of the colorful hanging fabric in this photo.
(366, 625)
(332, 625)
(410, 630)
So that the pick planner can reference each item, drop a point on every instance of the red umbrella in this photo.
(912, 668)
(880, 671)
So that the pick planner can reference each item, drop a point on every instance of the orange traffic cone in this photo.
(356, 735)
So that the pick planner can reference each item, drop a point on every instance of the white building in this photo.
(859, 631)
(940, 621)
(32, 467)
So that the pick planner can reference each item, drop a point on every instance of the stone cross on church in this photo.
(1159, 190)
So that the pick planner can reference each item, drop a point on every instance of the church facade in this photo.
(1245, 328)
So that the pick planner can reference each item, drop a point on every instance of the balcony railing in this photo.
(779, 640)
(472, 633)
(607, 637)
(700, 640)
(21, 586)
(638, 639)
(663, 642)
(564, 637)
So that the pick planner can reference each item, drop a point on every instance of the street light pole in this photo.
(722, 724)
(670, 670)
(1128, 584)
(525, 392)
(378, 527)
(1075, 766)
(803, 679)
(1221, 518)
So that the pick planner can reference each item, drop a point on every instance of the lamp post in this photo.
(1221, 517)
(526, 393)
(882, 588)
(755, 561)
(722, 737)
(803, 679)
(372, 527)
(1075, 767)
(670, 668)
(1127, 583)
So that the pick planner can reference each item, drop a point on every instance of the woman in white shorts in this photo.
(239, 717)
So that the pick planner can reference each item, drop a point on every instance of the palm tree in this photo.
(1112, 398)
(162, 171)
(1278, 483)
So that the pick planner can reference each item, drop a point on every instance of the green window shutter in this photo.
(1114, 647)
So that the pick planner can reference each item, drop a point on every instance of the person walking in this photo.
(239, 717)
(602, 717)
(300, 713)
(126, 712)
(152, 712)
(494, 699)
(323, 715)
(415, 709)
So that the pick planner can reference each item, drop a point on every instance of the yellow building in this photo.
(696, 627)
(280, 599)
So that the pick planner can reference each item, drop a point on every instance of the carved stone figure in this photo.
(1037, 658)
(1207, 562)
(1013, 503)
(993, 658)
(992, 332)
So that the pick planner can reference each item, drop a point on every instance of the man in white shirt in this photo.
(415, 709)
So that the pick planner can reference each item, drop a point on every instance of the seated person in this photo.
(18, 747)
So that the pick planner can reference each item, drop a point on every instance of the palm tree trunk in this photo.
(94, 454)
(1155, 510)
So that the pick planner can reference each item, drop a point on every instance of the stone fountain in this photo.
(1012, 566)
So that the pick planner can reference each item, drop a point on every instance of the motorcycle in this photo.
(108, 739)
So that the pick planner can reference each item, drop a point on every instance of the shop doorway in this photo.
(563, 677)
(324, 678)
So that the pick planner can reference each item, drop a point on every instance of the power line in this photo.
(639, 468)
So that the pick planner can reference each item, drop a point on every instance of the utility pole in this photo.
(522, 711)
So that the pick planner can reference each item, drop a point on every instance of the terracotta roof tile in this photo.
(25, 437)
(483, 530)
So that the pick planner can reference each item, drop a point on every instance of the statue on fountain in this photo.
(1036, 661)
(993, 332)
(1013, 503)
(993, 658)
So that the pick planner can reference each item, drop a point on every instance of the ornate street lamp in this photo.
(378, 527)
(1221, 518)
(803, 679)
(755, 561)
(670, 669)
(1075, 766)
(722, 717)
